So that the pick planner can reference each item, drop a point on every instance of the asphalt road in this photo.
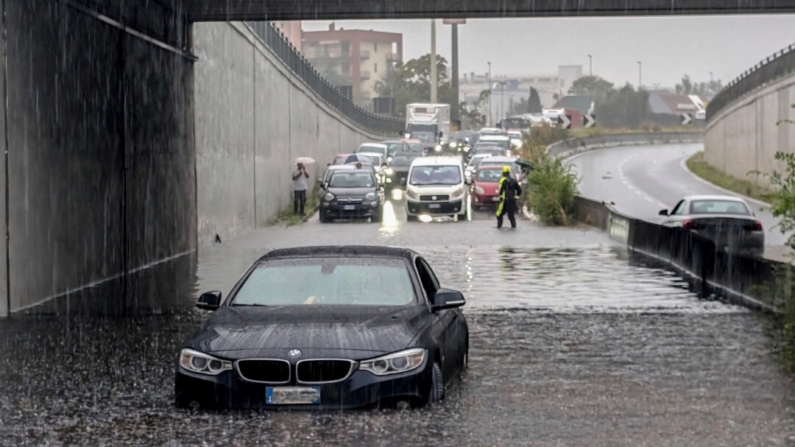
(642, 180)
(570, 346)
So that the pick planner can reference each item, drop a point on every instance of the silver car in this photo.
(725, 220)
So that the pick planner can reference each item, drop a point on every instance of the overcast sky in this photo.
(668, 47)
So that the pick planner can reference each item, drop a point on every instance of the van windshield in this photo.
(435, 175)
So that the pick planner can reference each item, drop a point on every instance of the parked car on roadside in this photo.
(725, 220)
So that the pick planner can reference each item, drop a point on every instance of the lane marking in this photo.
(683, 164)
(632, 187)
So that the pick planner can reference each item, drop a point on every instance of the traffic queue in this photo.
(461, 172)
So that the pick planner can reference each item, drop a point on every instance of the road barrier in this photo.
(573, 146)
(756, 283)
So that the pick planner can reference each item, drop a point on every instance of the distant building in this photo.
(510, 89)
(291, 30)
(584, 104)
(668, 108)
(358, 58)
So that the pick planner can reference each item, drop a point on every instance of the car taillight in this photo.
(688, 225)
(757, 226)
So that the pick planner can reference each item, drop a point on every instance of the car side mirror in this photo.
(448, 299)
(663, 212)
(209, 300)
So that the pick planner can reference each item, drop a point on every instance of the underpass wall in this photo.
(746, 135)
(100, 154)
(254, 117)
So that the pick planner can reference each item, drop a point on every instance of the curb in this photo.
(683, 164)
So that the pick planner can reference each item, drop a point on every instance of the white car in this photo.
(435, 187)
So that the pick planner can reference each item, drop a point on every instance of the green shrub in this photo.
(552, 189)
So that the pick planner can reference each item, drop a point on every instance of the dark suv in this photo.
(353, 193)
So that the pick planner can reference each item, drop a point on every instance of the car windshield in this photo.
(415, 147)
(425, 137)
(489, 175)
(394, 147)
(475, 161)
(380, 150)
(435, 175)
(402, 160)
(514, 123)
(328, 281)
(351, 180)
(415, 128)
(515, 168)
(375, 159)
(719, 207)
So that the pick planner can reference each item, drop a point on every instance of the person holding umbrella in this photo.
(300, 185)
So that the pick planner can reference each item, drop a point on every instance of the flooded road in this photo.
(570, 346)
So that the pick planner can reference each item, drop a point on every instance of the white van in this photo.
(435, 186)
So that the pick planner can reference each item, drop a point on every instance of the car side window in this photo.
(428, 279)
(679, 209)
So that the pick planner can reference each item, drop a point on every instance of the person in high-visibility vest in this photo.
(510, 191)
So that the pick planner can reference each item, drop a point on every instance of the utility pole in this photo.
(491, 118)
(433, 61)
(454, 62)
(590, 66)
(640, 75)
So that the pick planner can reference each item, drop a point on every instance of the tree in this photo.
(534, 103)
(622, 108)
(591, 85)
(410, 82)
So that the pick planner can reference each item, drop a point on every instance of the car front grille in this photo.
(323, 371)
(350, 199)
(264, 370)
(431, 198)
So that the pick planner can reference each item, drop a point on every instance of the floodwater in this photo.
(570, 346)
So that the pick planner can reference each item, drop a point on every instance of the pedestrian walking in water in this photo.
(510, 191)
(299, 188)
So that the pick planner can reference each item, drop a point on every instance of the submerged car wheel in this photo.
(437, 385)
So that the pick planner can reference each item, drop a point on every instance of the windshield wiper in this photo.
(252, 305)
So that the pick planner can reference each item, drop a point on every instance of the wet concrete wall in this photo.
(100, 158)
(253, 118)
(746, 135)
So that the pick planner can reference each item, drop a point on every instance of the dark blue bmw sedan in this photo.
(334, 327)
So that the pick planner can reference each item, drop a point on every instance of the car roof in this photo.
(501, 159)
(373, 144)
(345, 166)
(366, 171)
(431, 161)
(713, 197)
(340, 250)
(408, 154)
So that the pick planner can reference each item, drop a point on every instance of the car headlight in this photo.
(389, 159)
(458, 192)
(466, 148)
(370, 196)
(202, 363)
(453, 144)
(388, 171)
(479, 190)
(328, 197)
(438, 147)
(411, 194)
(394, 363)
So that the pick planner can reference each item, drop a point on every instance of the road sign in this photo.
(590, 120)
(454, 21)
(686, 119)
(565, 121)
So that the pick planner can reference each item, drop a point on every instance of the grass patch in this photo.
(286, 215)
(699, 166)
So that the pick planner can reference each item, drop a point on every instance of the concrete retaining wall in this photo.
(745, 136)
(100, 154)
(253, 118)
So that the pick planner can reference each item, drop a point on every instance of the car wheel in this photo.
(410, 218)
(378, 217)
(324, 218)
(437, 385)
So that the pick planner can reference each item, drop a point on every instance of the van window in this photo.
(435, 175)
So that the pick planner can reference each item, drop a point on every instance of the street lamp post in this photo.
(590, 66)
(433, 61)
(640, 74)
(491, 118)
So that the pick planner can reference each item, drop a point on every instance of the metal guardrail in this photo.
(295, 61)
(572, 146)
(780, 64)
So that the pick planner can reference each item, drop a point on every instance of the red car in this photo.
(486, 186)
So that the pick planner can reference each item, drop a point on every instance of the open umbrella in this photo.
(305, 160)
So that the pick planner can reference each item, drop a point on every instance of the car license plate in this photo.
(349, 207)
(434, 205)
(292, 395)
(495, 199)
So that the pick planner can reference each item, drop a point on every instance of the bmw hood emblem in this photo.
(294, 353)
